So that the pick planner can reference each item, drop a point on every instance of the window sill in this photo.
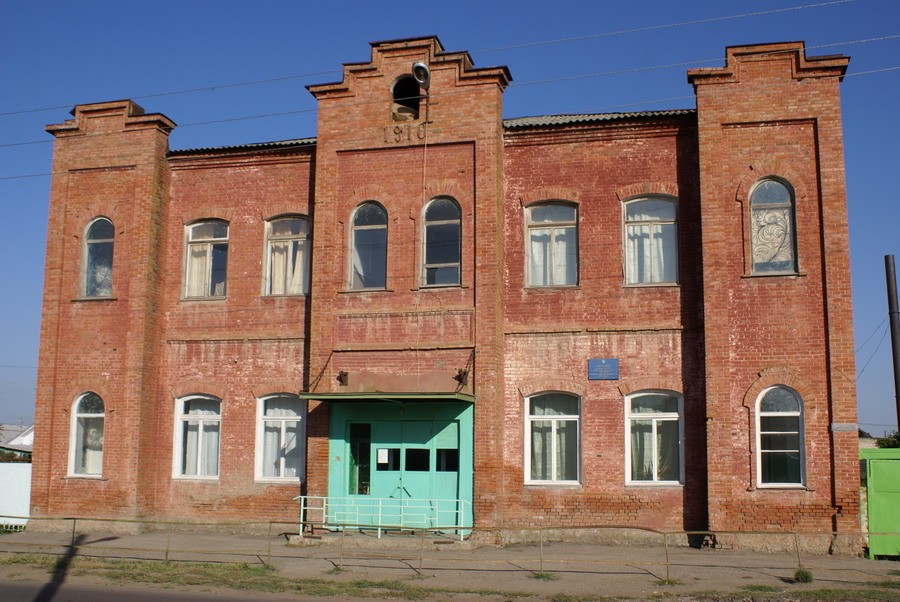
(202, 299)
(180, 477)
(285, 296)
(655, 484)
(775, 275)
(559, 485)
(552, 287)
(438, 287)
(278, 481)
(84, 477)
(780, 487)
(89, 299)
(356, 291)
(651, 285)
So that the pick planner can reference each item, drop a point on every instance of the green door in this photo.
(401, 454)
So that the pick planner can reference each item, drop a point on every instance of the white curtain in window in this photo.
(196, 272)
(638, 253)
(641, 450)
(540, 257)
(278, 256)
(540, 450)
(281, 438)
(564, 256)
(201, 438)
(566, 450)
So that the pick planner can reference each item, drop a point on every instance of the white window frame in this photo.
(178, 470)
(655, 418)
(301, 270)
(352, 245)
(207, 244)
(801, 435)
(86, 272)
(554, 418)
(553, 227)
(425, 224)
(74, 441)
(628, 254)
(261, 420)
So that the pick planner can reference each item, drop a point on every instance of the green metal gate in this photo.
(882, 483)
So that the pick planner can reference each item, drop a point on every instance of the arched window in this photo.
(281, 438)
(552, 245)
(772, 235)
(653, 450)
(443, 240)
(287, 256)
(86, 452)
(207, 259)
(407, 98)
(368, 241)
(552, 433)
(98, 258)
(198, 422)
(651, 241)
(779, 438)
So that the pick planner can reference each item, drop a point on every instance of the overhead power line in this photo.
(486, 50)
(619, 32)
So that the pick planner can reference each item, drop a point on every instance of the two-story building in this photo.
(626, 318)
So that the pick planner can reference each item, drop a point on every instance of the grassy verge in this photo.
(263, 578)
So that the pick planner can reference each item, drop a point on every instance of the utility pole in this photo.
(894, 319)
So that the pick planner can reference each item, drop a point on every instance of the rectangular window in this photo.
(552, 245)
(197, 437)
(654, 438)
(552, 439)
(281, 439)
(288, 249)
(207, 260)
(651, 242)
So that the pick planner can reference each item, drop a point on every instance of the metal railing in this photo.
(385, 514)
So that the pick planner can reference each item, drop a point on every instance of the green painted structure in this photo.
(881, 472)
(404, 462)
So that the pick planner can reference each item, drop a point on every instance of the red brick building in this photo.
(631, 318)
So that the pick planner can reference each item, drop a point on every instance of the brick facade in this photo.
(716, 337)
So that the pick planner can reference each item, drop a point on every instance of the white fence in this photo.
(15, 483)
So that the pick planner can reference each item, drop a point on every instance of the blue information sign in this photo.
(603, 369)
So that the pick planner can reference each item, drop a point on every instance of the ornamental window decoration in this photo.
(98, 258)
(773, 238)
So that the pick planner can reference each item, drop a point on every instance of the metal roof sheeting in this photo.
(519, 122)
(545, 120)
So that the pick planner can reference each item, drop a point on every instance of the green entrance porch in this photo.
(400, 461)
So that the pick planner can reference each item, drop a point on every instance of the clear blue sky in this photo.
(58, 54)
